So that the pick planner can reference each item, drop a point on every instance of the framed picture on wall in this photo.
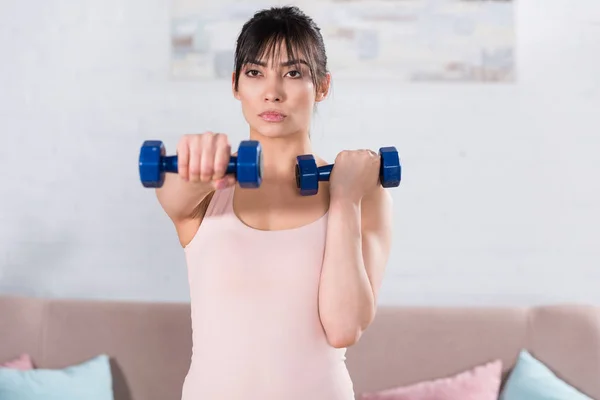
(403, 40)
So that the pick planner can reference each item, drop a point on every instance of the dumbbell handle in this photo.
(169, 164)
(324, 172)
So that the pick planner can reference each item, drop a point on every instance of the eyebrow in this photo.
(283, 64)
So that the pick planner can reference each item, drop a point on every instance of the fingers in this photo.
(222, 154)
(183, 159)
(204, 157)
(207, 157)
(195, 146)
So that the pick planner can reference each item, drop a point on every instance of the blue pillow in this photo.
(90, 380)
(530, 379)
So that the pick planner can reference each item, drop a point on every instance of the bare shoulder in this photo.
(188, 227)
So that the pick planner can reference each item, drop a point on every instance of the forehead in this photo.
(278, 54)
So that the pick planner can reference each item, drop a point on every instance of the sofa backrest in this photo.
(405, 345)
(150, 343)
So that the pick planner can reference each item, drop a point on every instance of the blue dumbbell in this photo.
(247, 166)
(308, 175)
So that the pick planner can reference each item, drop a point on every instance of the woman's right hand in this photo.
(204, 158)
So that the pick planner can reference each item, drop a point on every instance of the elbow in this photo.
(348, 336)
(342, 339)
(343, 333)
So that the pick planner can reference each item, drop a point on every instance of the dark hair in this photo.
(262, 34)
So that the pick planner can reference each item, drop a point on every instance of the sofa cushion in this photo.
(481, 382)
(22, 362)
(531, 379)
(90, 380)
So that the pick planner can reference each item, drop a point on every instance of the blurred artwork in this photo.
(401, 40)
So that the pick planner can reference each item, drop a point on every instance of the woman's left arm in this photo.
(356, 252)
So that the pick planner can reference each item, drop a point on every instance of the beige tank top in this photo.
(255, 319)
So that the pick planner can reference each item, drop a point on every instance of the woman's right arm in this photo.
(202, 160)
(179, 199)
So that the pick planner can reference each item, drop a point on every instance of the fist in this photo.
(204, 158)
(355, 173)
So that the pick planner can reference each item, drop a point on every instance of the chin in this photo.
(273, 133)
(273, 130)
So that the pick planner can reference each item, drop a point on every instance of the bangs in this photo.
(270, 49)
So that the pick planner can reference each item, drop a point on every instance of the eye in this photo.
(296, 73)
(252, 72)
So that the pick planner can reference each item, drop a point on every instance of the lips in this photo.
(272, 116)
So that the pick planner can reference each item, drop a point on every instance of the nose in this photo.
(274, 92)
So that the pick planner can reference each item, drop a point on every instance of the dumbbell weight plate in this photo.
(149, 160)
(307, 175)
(390, 169)
(248, 157)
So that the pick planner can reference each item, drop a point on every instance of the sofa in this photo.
(149, 344)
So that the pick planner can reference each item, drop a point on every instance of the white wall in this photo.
(500, 201)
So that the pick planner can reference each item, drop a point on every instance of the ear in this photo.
(235, 93)
(324, 88)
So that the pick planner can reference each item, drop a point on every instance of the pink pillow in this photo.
(480, 383)
(23, 363)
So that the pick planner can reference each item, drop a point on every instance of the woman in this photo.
(280, 284)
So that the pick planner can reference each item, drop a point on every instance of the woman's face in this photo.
(278, 95)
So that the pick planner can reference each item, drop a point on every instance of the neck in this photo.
(279, 155)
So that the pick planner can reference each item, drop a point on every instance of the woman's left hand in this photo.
(355, 174)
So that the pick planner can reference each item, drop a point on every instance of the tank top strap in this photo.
(220, 203)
